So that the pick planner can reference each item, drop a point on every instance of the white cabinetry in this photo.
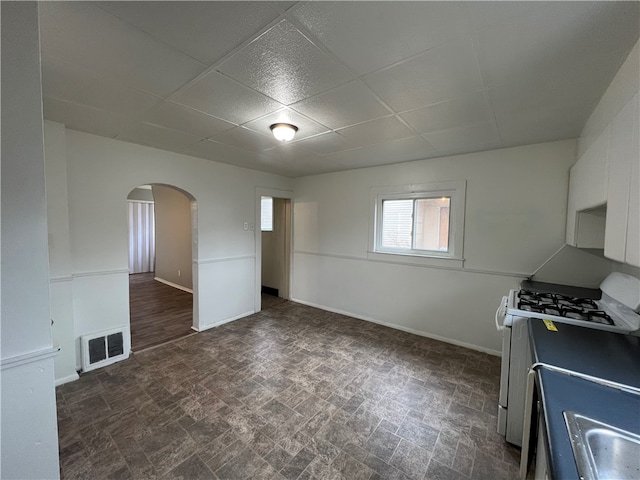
(622, 242)
(603, 208)
(587, 196)
(632, 253)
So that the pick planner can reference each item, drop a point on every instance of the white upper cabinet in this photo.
(588, 191)
(603, 209)
(604, 190)
(632, 253)
(623, 154)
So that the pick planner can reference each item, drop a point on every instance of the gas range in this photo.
(606, 313)
(616, 311)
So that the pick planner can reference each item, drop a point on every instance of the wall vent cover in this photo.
(103, 348)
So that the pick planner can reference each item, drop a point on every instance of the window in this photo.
(420, 224)
(266, 214)
(420, 220)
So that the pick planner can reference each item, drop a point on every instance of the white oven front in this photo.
(516, 360)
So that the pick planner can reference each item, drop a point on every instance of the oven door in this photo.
(504, 381)
(504, 325)
(519, 361)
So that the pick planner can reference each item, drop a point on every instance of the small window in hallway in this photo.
(266, 214)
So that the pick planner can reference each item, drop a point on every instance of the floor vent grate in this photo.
(103, 348)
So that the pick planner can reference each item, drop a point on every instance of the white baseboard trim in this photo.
(400, 327)
(222, 322)
(67, 379)
(174, 285)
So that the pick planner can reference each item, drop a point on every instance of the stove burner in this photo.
(583, 309)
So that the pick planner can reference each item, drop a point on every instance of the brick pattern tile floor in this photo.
(292, 392)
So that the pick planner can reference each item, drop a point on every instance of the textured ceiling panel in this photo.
(174, 116)
(326, 143)
(285, 65)
(82, 118)
(73, 84)
(367, 82)
(224, 98)
(444, 72)
(467, 138)
(85, 35)
(407, 149)
(342, 106)
(155, 135)
(440, 116)
(206, 31)
(376, 131)
(373, 35)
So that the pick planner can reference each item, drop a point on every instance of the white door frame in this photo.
(195, 255)
(275, 193)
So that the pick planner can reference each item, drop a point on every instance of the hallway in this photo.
(159, 313)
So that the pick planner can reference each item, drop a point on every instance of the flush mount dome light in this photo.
(283, 131)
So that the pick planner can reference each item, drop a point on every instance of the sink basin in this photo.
(603, 451)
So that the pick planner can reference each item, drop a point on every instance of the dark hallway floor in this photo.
(159, 313)
(289, 393)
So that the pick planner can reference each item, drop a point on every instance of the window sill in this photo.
(418, 260)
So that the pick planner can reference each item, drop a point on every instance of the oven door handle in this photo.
(501, 313)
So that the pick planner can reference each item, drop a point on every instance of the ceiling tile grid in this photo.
(205, 34)
(172, 115)
(82, 34)
(283, 64)
(367, 83)
(343, 106)
(224, 98)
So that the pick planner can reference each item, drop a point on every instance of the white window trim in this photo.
(454, 189)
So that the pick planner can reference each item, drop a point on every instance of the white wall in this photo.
(173, 236)
(29, 434)
(100, 174)
(515, 219)
(60, 285)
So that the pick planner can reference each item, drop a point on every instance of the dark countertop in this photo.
(601, 354)
(607, 355)
(565, 393)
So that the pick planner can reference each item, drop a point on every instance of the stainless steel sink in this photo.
(603, 451)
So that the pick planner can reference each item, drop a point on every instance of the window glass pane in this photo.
(266, 214)
(397, 223)
(432, 224)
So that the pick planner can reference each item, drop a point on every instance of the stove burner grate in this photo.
(562, 306)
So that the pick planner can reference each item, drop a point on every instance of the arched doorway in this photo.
(162, 236)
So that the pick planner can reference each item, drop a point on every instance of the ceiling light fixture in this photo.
(283, 131)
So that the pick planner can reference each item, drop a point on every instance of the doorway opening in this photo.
(273, 248)
(161, 275)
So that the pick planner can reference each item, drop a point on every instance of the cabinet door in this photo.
(587, 190)
(620, 161)
(632, 255)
